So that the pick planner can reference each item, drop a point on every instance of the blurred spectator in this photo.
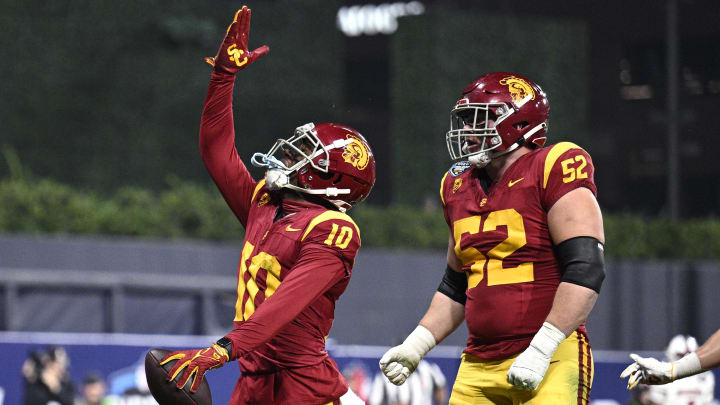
(357, 377)
(426, 386)
(46, 378)
(383, 392)
(93, 391)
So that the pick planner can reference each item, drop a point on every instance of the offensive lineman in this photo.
(298, 251)
(525, 256)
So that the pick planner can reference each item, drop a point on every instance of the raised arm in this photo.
(217, 133)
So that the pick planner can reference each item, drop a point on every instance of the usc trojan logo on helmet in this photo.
(519, 89)
(356, 153)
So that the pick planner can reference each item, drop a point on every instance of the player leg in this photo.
(481, 382)
(569, 377)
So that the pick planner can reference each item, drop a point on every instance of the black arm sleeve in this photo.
(454, 285)
(583, 262)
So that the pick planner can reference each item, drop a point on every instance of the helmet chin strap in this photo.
(276, 179)
(482, 159)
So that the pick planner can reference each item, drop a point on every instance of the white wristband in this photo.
(547, 339)
(420, 340)
(686, 366)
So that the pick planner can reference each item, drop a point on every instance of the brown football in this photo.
(165, 392)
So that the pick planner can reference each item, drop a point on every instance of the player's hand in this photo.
(233, 55)
(647, 370)
(195, 362)
(400, 361)
(529, 368)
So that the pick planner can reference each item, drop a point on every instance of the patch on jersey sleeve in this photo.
(459, 168)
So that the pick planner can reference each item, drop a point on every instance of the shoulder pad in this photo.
(459, 168)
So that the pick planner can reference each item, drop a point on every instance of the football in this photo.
(165, 392)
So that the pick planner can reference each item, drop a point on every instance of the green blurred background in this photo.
(101, 105)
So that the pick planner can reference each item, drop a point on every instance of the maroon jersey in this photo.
(502, 239)
(295, 262)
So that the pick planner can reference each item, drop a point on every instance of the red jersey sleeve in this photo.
(217, 147)
(566, 167)
(316, 271)
(329, 245)
(335, 231)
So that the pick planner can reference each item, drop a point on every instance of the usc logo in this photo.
(356, 153)
(519, 89)
(264, 199)
(235, 54)
(457, 184)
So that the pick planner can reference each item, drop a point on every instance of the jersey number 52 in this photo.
(496, 273)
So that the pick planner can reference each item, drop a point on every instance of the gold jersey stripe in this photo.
(246, 252)
(555, 152)
(257, 188)
(327, 216)
(585, 370)
(442, 186)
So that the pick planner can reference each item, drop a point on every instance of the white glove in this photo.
(350, 398)
(530, 366)
(647, 370)
(400, 361)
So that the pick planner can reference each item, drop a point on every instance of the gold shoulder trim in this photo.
(260, 184)
(327, 216)
(552, 156)
(442, 186)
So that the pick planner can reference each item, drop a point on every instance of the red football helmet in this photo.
(332, 161)
(498, 113)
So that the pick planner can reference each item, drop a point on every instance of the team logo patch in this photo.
(483, 202)
(459, 168)
(356, 153)
(457, 184)
(519, 89)
(264, 199)
(235, 53)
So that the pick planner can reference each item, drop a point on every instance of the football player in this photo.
(647, 370)
(299, 246)
(525, 254)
